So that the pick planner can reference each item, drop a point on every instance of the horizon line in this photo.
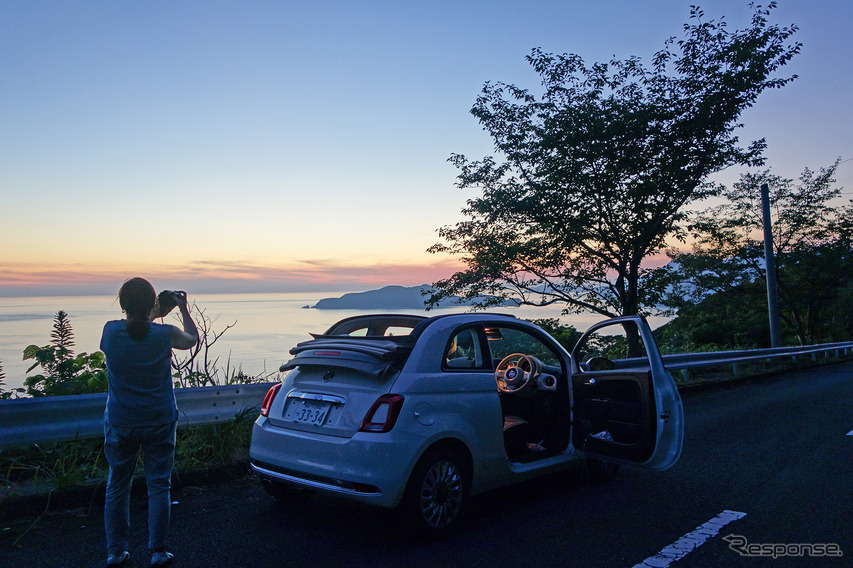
(57, 291)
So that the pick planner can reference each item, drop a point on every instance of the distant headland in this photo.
(387, 298)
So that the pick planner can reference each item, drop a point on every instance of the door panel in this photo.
(614, 415)
(626, 404)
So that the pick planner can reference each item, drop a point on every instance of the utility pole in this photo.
(770, 266)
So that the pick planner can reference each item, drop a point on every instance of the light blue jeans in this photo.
(121, 448)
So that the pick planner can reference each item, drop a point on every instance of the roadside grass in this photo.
(59, 466)
(214, 445)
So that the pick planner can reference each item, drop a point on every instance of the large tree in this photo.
(594, 173)
(813, 253)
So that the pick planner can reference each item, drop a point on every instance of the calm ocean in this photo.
(265, 327)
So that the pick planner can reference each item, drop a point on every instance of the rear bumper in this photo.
(369, 467)
(326, 485)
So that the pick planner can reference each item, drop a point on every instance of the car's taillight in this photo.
(383, 414)
(265, 406)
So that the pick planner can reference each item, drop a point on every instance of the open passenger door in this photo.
(626, 404)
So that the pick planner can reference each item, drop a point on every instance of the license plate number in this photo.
(307, 411)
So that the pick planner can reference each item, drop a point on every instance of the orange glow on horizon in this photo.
(298, 275)
(355, 274)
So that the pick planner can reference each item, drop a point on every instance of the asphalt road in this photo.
(773, 457)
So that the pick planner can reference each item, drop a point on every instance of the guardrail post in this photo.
(734, 369)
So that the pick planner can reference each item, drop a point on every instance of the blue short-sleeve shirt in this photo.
(139, 374)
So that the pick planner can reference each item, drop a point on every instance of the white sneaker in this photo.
(162, 558)
(118, 559)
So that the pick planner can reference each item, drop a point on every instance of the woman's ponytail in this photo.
(137, 327)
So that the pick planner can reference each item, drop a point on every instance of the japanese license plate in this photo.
(307, 411)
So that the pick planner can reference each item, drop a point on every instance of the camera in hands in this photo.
(168, 299)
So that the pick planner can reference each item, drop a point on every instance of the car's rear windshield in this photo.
(381, 325)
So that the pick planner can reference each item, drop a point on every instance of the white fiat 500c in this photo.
(421, 413)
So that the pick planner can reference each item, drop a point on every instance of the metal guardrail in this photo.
(55, 419)
(687, 361)
(61, 418)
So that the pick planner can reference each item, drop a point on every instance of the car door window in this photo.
(612, 347)
(464, 351)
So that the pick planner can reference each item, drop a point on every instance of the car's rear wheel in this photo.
(285, 493)
(436, 492)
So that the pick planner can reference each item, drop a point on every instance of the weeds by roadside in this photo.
(215, 444)
(58, 466)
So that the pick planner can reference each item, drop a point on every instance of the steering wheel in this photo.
(516, 371)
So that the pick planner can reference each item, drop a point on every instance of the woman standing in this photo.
(141, 413)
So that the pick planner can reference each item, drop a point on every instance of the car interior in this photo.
(531, 384)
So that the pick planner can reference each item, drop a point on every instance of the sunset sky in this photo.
(302, 145)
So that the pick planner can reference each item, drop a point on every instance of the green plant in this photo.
(86, 373)
(77, 463)
(215, 444)
(56, 465)
(7, 394)
(63, 372)
(62, 335)
(566, 335)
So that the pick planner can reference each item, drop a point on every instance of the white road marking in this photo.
(850, 433)
(690, 541)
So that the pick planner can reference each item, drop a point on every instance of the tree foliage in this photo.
(813, 251)
(62, 335)
(63, 373)
(566, 335)
(596, 171)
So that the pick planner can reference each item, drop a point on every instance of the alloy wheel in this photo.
(441, 494)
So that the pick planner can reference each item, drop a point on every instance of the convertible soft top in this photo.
(370, 355)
